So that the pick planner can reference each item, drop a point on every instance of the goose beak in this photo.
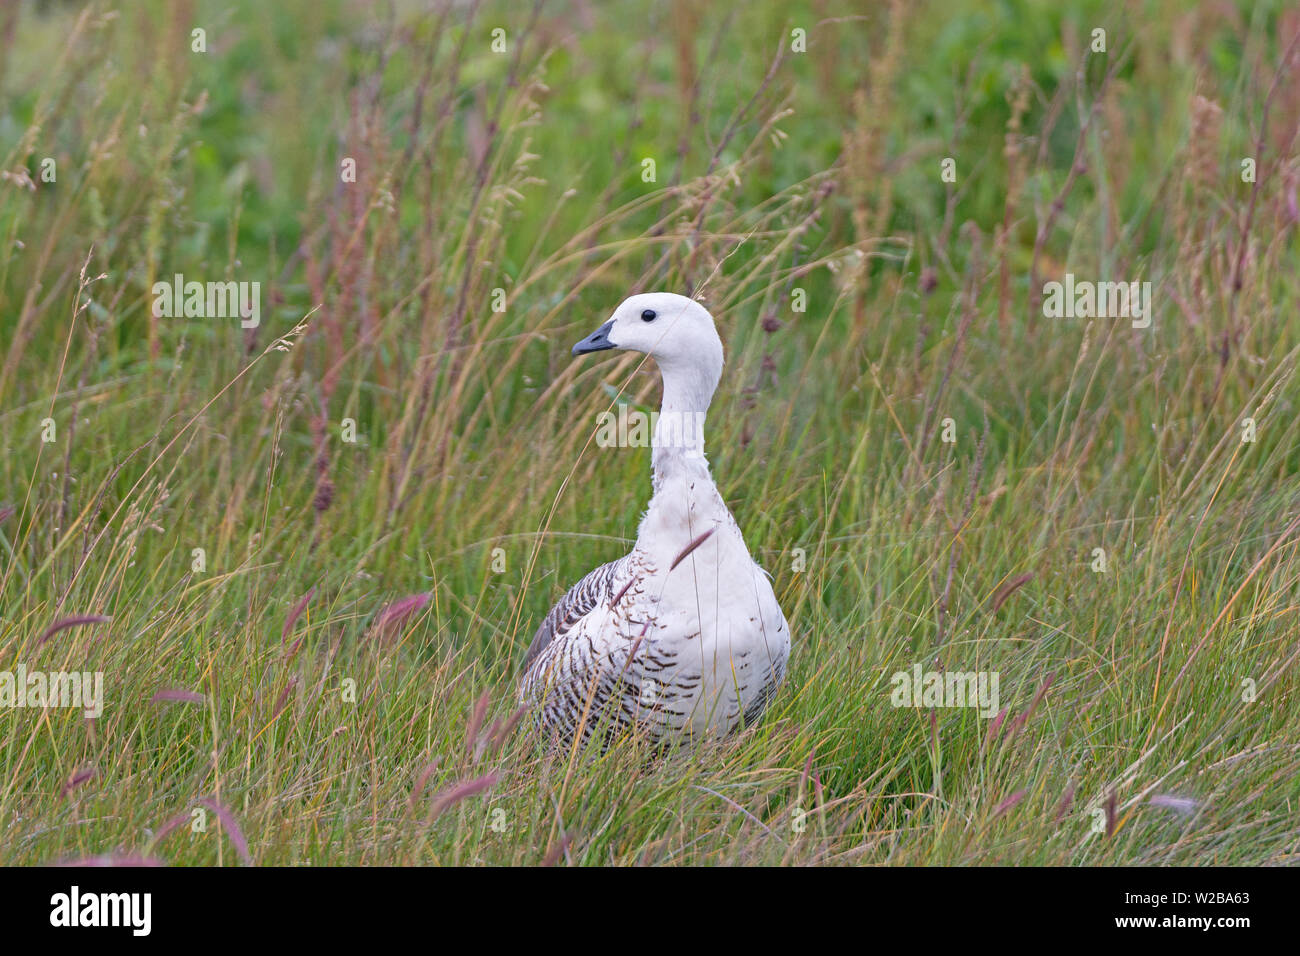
(597, 341)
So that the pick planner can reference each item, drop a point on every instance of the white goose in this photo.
(683, 635)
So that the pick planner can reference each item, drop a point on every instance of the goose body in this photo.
(683, 636)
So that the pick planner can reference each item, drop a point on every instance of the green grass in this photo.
(351, 736)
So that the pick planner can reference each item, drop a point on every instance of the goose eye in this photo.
(648, 315)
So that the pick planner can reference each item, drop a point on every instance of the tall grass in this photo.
(336, 683)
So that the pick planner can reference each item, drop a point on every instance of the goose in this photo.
(682, 638)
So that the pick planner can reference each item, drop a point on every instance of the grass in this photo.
(333, 682)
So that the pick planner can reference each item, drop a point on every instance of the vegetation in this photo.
(331, 678)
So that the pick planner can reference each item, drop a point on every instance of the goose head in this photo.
(677, 332)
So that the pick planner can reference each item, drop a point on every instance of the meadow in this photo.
(306, 554)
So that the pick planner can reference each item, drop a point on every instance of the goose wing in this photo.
(597, 586)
